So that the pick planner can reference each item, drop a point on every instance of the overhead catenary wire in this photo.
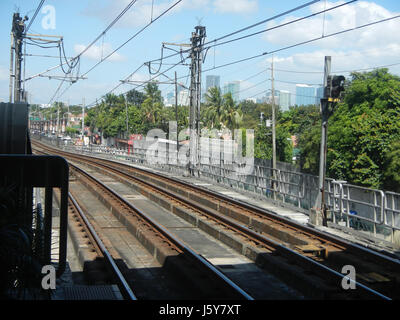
(297, 44)
(34, 16)
(222, 37)
(74, 61)
(131, 38)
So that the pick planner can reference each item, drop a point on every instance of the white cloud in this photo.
(98, 52)
(359, 49)
(235, 6)
(143, 11)
(337, 20)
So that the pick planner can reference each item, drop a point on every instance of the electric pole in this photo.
(58, 119)
(176, 117)
(273, 130)
(83, 120)
(17, 34)
(195, 95)
(127, 120)
(319, 208)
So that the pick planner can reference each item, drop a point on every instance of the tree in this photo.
(231, 116)
(391, 176)
(135, 97)
(213, 108)
(364, 129)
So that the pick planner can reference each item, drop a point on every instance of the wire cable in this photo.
(34, 16)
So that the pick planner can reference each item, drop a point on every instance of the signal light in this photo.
(335, 86)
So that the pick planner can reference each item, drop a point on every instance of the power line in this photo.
(135, 35)
(282, 25)
(34, 15)
(220, 38)
(302, 43)
(77, 58)
(292, 46)
(241, 30)
(340, 71)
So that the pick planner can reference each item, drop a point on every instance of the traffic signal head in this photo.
(336, 86)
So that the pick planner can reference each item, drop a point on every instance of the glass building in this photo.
(212, 81)
(233, 87)
(305, 95)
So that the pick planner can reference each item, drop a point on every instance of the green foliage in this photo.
(391, 176)
(263, 143)
(71, 131)
(364, 130)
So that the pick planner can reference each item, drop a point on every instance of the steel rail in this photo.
(186, 249)
(122, 283)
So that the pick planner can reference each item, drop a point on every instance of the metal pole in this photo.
(83, 118)
(273, 130)
(320, 203)
(58, 119)
(126, 110)
(195, 95)
(17, 77)
(176, 117)
(192, 113)
(11, 67)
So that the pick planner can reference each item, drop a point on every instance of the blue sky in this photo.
(80, 22)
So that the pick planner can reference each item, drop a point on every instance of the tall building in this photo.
(233, 87)
(284, 100)
(305, 94)
(212, 81)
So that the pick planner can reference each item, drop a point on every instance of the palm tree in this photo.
(231, 116)
(213, 111)
(152, 105)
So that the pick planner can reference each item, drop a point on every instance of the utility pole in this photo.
(17, 31)
(273, 130)
(11, 67)
(58, 119)
(176, 117)
(126, 111)
(319, 210)
(83, 119)
(195, 95)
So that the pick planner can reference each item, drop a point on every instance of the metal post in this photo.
(195, 95)
(83, 120)
(176, 117)
(11, 68)
(320, 202)
(126, 110)
(273, 131)
(58, 120)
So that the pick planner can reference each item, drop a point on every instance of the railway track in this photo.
(79, 223)
(193, 276)
(313, 261)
